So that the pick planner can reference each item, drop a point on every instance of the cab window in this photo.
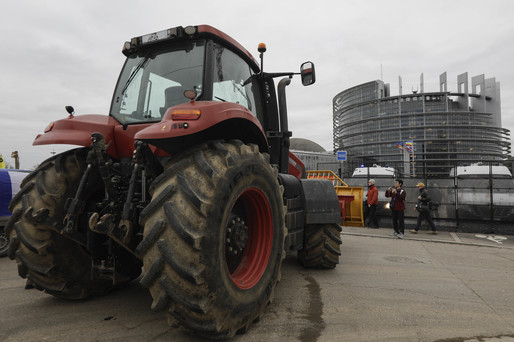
(233, 81)
(152, 83)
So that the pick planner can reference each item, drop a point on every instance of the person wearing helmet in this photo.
(423, 208)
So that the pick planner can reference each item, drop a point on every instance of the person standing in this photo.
(423, 208)
(397, 206)
(372, 203)
(365, 209)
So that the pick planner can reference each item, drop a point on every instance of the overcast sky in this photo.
(66, 52)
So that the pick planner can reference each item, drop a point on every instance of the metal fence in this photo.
(347, 169)
(467, 204)
(467, 200)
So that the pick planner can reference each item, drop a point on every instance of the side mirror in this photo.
(308, 73)
(70, 110)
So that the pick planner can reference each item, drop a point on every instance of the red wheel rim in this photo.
(256, 254)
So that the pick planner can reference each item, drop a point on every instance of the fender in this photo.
(321, 202)
(77, 130)
(308, 202)
(187, 124)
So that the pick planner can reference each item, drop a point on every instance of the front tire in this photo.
(321, 247)
(214, 238)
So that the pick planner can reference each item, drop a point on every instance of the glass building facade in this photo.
(445, 128)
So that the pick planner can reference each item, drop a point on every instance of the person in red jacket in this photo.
(397, 206)
(372, 203)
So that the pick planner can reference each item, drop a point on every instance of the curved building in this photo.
(301, 144)
(422, 134)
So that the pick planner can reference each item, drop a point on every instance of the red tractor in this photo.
(189, 181)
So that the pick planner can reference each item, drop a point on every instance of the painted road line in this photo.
(494, 238)
(455, 237)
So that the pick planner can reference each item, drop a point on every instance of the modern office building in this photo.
(421, 134)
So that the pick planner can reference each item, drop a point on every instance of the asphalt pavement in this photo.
(450, 287)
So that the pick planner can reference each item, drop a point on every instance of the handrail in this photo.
(326, 174)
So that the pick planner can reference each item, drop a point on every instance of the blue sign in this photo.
(341, 155)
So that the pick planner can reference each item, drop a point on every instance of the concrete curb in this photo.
(429, 240)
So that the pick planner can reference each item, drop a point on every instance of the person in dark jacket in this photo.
(397, 206)
(423, 208)
(372, 203)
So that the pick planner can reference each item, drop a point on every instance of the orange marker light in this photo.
(186, 114)
(261, 48)
(49, 127)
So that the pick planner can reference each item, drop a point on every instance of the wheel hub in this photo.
(237, 236)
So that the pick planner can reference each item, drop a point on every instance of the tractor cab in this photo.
(200, 84)
(175, 66)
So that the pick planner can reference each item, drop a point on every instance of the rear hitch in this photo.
(75, 205)
(108, 224)
(97, 156)
(117, 215)
(120, 228)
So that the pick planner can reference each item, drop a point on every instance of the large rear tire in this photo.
(50, 261)
(214, 238)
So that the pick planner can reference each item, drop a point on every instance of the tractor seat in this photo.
(172, 97)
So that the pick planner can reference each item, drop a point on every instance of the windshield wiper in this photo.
(141, 65)
(247, 98)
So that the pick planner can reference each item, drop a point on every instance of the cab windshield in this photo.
(151, 83)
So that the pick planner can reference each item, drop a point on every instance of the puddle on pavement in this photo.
(313, 313)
